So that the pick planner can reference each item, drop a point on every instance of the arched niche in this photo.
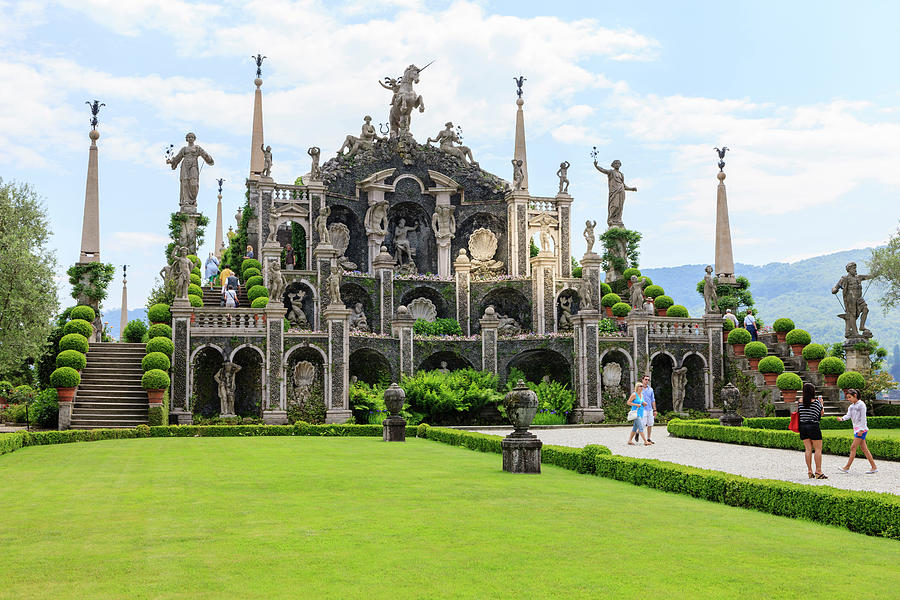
(695, 390)
(352, 292)
(454, 361)
(308, 302)
(311, 408)
(370, 366)
(507, 301)
(421, 240)
(248, 381)
(539, 363)
(661, 366)
(357, 250)
(424, 291)
(205, 363)
(619, 356)
(466, 226)
(570, 295)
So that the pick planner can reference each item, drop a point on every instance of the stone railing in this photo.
(542, 205)
(668, 327)
(245, 319)
(290, 193)
(612, 335)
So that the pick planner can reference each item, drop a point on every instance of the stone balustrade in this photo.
(541, 205)
(290, 193)
(245, 319)
(669, 327)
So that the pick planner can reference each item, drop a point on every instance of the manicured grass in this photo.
(874, 434)
(358, 518)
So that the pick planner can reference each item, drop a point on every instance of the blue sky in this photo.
(803, 93)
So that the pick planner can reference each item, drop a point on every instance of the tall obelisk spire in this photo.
(724, 255)
(219, 243)
(519, 150)
(123, 319)
(90, 226)
(257, 162)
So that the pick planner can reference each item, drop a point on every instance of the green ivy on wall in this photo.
(90, 279)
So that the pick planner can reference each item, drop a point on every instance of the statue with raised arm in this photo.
(188, 157)
(404, 99)
(518, 173)
(403, 252)
(445, 140)
(376, 220)
(366, 140)
(711, 291)
(334, 284)
(637, 292)
(315, 174)
(267, 160)
(855, 306)
(181, 270)
(589, 235)
(443, 223)
(617, 189)
(276, 280)
(227, 384)
(321, 224)
(563, 174)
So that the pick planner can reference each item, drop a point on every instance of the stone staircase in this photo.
(212, 296)
(110, 394)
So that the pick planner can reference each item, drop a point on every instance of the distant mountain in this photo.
(114, 315)
(800, 291)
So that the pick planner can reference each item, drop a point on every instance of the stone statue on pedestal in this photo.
(267, 160)
(225, 377)
(181, 270)
(188, 235)
(358, 321)
(272, 238)
(334, 284)
(565, 313)
(508, 325)
(190, 172)
(679, 385)
(589, 235)
(637, 292)
(446, 138)
(295, 315)
(563, 174)
(376, 220)
(546, 237)
(404, 99)
(322, 226)
(366, 140)
(617, 189)
(315, 173)
(855, 306)
(518, 173)
(403, 252)
(443, 222)
(710, 291)
(587, 295)
(276, 280)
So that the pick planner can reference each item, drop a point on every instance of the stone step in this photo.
(101, 372)
(112, 396)
(91, 405)
(131, 415)
(103, 424)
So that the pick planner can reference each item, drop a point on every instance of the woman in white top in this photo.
(231, 300)
(856, 412)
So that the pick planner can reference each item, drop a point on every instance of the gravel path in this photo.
(749, 461)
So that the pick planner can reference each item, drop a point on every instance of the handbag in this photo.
(794, 425)
(632, 414)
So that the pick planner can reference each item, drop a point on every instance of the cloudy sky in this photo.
(804, 94)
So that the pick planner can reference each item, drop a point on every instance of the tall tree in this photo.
(28, 294)
(884, 265)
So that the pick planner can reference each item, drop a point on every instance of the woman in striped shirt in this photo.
(810, 412)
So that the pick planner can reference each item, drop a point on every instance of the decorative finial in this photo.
(95, 110)
(220, 185)
(170, 152)
(721, 154)
(259, 58)
(124, 273)
(459, 133)
(519, 81)
(595, 154)
(384, 128)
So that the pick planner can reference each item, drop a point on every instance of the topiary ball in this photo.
(156, 360)
(159, 313)
(620, 309)
(627, 273)
(727, 325)
(71, 358)
(74, 341)
(831, 365)
(161, 344)
(253, 281)
(65, 377)
(196, 301)
(194, 259)
(789, 381)
(755, 350)
(770, 364)
(782, 325)
(663, 301)
(647, 280)
(195, 289)
(155, 379)
(653, 291)
(797, 336)
(260, 302)
(79, 326)
(678, 311)
(134, 331)
(250, 263)
(195, 280)
(159, 330)
(851, 380)
(251, 272)
(83, 312)
(739, 336)
(605, 289)
(610, 299)
(257, 291)
(814, 352)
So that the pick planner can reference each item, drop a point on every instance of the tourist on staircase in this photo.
(211, 269)
(750, 324)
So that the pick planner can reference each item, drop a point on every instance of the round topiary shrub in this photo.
(663, 301)
(783, 325)
(653, 291)
(755, 350)
(250, 263)
(159, 330)
(647, 280)
(797, 337)
(831, 365)
(195, 271)
(627, 273)
(155, 379)
(195, 280)
(195, 289)
(610, 299)
(65, 377)
(814, 352)
(770, 364)
(194, 259)
(605, 289)
(74, 341)
(851, 380)
(260, 302)
(79, 326)
(159, 313)
(620, 309)
(727, 325)
(678, 311)
(156, 360)
(257, 291)
(196, 301)
(161, 344)
(739, 336)
(251, 272)
(789, 381)
(71, 358)
(83, 312)
(253, 281)
(134, 331)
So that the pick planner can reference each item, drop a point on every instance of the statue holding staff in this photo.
(617, 189)
(190, 171)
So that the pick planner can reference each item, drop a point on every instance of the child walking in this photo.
(856, 412)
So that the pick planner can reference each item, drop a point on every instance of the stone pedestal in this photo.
(521, 453)
(65, 415)
(714, 325)
(274, 405)
(564, 210)
(268, 251)
(587, 368)
(402, 328)
(517, 217)
(856, 360)
(337, 393)
(463, 268)
(731, 420)
(324, 257)
(490, 325)
(394, 429)
(375, 242)
(383, 265)
(443, 248)
(179, 392)
(542, 293)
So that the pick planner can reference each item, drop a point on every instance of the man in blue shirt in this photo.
(649, 407)
(750, 324)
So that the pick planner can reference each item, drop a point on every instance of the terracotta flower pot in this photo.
(155, 396)
(65, 394)
(797, 349)
(738, 349)
(788, 395)
(831, 379)
(781, 335)
(620, 319)
(770, 378)
(608, 311)
(813, 363)
(754, 363)
(661, 312)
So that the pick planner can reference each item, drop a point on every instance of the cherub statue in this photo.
(562, 173)
(589, 235)
(267, 160)
(334, 284)
(518, 173)
(321, 224)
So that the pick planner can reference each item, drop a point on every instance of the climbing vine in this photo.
(90, 279)
(613, 239)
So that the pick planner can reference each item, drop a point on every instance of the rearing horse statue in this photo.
(404, 100)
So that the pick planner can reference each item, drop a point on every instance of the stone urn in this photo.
(394, 397)
(394, 427)
(731, 400)
(521, 450)
(521, 406)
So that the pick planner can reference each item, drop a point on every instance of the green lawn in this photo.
(893, 434)
(308, 517)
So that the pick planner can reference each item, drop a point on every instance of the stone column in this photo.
(542, 293)
(316, 203)
(324, 257)
(383, 265)
(564, 209)
(587, 367)
(65, 413)
(489, 331)
(220, 240)
(517, 236)
(179, 393)
(402, 328)
(337, 319)
(463, 268)
(253, 237)
(274, 406)
(123, 315)
(257, 161)
(857, 360)
(443, 247)
(639, 329)
(266, 190)
(591, 267)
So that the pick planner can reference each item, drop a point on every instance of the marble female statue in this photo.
(181, 269)
(710, 290)
(589, 235)
(276, 280)
(445, 140)
(617, 189)
(679, 385)
(334, 284)
(322, 226)
(401, 242)
(273, 229)
(190, 171)
(637, 292)
(563, 173)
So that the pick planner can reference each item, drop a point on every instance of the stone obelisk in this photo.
(257, 162)
(219, 237)
(90, 226)
(123, 320)
(519, 149)
(724, 255)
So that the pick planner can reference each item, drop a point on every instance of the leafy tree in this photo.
(895, 363)
(884, 265)
(736, 297)
(27, 265)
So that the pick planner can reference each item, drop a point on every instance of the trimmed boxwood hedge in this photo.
(755, 349)
(739, 336)
(71, 358)
(727, 325)
(771, 364)
(83, 312)
(254, 281)
(196, 301)
(825, 423)
(161, 344)
(620, 309)
(156, 360)
(851, 380)
(155, 379)
(653, 291)
(610, 299)
(195, 280)
(663, 301)
(79, 326)
(831, 365)
(250, 263)
(814, 352)
(605, 289)
(159, 313)
(260, 302)
(797, 336)
(159, 330)
(252, 272)
(65, 377)
(789, 381)
(74, 341)
(678, 311)
(257, 291)
(783, 325)
(194, 259)
(195, 289)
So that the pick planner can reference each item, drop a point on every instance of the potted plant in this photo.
(653, 291)
(781, 327)
(605, 289)
(851, 380)
(754, 351)
(608, 301)
(771, 367)
(71, 358)
(796, 339)
(727, 326)
(620, 310)
(662, 304)
(789, 383)
(627, 274)
(738, 338)
(65, 380)
(813, 353)
(677, 311)
(155, 381)
(831, 367)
